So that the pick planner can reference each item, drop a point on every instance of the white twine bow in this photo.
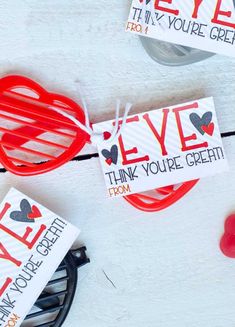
(98, 138)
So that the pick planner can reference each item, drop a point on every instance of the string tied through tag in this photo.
(98, 138)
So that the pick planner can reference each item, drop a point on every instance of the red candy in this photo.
(227, 243)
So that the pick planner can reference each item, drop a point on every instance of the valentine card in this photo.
(162, 147)
(34, 241)
(202, 24)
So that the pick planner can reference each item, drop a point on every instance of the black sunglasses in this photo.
(54, 303)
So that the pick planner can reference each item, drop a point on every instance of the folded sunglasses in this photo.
(55, 301)
(36, 139)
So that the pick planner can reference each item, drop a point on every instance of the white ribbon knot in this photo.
(98, 138)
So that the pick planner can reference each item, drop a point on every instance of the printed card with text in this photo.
(34, 241)
(203, 24)
(162, 147)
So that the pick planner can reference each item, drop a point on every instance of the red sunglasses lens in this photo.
(32, 132)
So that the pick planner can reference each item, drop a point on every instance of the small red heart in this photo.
(106, 135)
(227, 243)
(109, 161)
(35, 213)
(209, 129)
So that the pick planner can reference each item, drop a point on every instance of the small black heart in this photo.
(22, 216)
(112, 154)
(198, 121)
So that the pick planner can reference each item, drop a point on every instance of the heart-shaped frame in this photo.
(164, 197)
(22, 108)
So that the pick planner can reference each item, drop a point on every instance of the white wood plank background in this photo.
(166, 267)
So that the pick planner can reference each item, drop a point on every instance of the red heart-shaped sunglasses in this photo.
(36, 139)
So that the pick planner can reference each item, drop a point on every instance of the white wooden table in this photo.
(166, 268)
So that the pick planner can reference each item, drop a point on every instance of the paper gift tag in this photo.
(204, 24)
(34, 241)
(162, 147)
